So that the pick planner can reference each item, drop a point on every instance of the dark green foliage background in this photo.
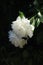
(32, 53)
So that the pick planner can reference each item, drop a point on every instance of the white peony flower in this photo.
(20, 28)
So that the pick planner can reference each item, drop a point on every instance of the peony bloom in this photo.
(20, 28)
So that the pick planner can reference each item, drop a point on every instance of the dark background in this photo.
(32, 53)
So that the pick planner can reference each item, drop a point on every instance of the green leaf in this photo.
(32, 21)
(21, 14)
(38, 22)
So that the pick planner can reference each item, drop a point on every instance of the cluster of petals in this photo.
(20, 28)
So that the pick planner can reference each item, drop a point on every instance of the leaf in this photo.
(21, 14)
(32, 21)
(38, 22)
